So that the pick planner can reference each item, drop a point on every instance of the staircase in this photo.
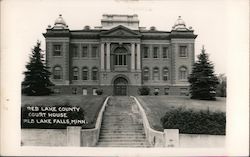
(122, 124)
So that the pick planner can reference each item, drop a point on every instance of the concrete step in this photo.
(122, 138)
(123, 144)
(122, 126)
(123, 129)
(124, 134)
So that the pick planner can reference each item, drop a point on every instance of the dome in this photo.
(179, 21)
(179, 24)
(60, 23)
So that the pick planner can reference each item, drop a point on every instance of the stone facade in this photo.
(119, 57)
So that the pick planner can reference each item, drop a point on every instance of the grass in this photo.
(90, 104)
(156, 106)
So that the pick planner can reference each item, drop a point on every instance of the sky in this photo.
(27, 20)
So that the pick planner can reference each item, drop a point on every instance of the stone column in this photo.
(132, 56)
(102, 56)
(74, 136)
(171, 137)
(108, 56)
(138, 56)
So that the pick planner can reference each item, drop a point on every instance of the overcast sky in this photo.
(26, 20)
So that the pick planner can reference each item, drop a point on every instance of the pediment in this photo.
(120, 31)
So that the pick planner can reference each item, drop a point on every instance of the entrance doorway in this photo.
(120, 86)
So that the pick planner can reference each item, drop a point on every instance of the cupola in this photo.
(60, 23)
(180, 25)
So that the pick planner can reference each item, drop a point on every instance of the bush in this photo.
(156, 92)
(99, 91)
(195, 122)
(144, 91)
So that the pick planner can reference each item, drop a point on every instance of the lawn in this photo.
(90, 104)
(156, 106)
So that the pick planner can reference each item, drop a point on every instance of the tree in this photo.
(202, 80)
(36, 81)
(222, 86)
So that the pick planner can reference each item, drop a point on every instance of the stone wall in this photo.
(201, 141)
(44, 137)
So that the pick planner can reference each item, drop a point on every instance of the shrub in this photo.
(99, 91)
(156, 92)
(144, 91)
(195, 122)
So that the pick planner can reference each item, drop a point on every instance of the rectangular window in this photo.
(183, 51)
(85, 51)
(165, 52)
(146, 74)
(74, 90)
(75, 75)
(94, 75)
(145, 52)
(94, 91)
(84, 91)
(85, 75)
(56, 91)
(94, 52)
(75, 51)
(57, 50)
(155, 52)
(166, 91)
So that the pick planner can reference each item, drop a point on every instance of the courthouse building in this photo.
(119, 57)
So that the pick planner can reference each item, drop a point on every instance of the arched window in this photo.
(75, 73)
(85, 73)
(94, 73)
(165, 74)
(146, 73)
(156, 74)
(183, 73)
(120, 56)
(57, 72)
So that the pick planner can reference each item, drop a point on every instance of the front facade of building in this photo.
(119, 57)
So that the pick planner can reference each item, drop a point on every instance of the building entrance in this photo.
(120, 86)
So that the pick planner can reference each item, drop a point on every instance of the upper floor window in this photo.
(155, 52)
(84, 51)
(120, 56)
(145, 52)
(57, 50)
(75, 73)
(85, 73)
(165, 74)
(183, 73)
(94, 52)
(57, 72)
(75, 51)
(94, 73)
(146, 74)
(165, 52)
(156, 74)
(183, 51)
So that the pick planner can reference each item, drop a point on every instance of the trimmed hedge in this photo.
(195, 122)
(144, 90)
